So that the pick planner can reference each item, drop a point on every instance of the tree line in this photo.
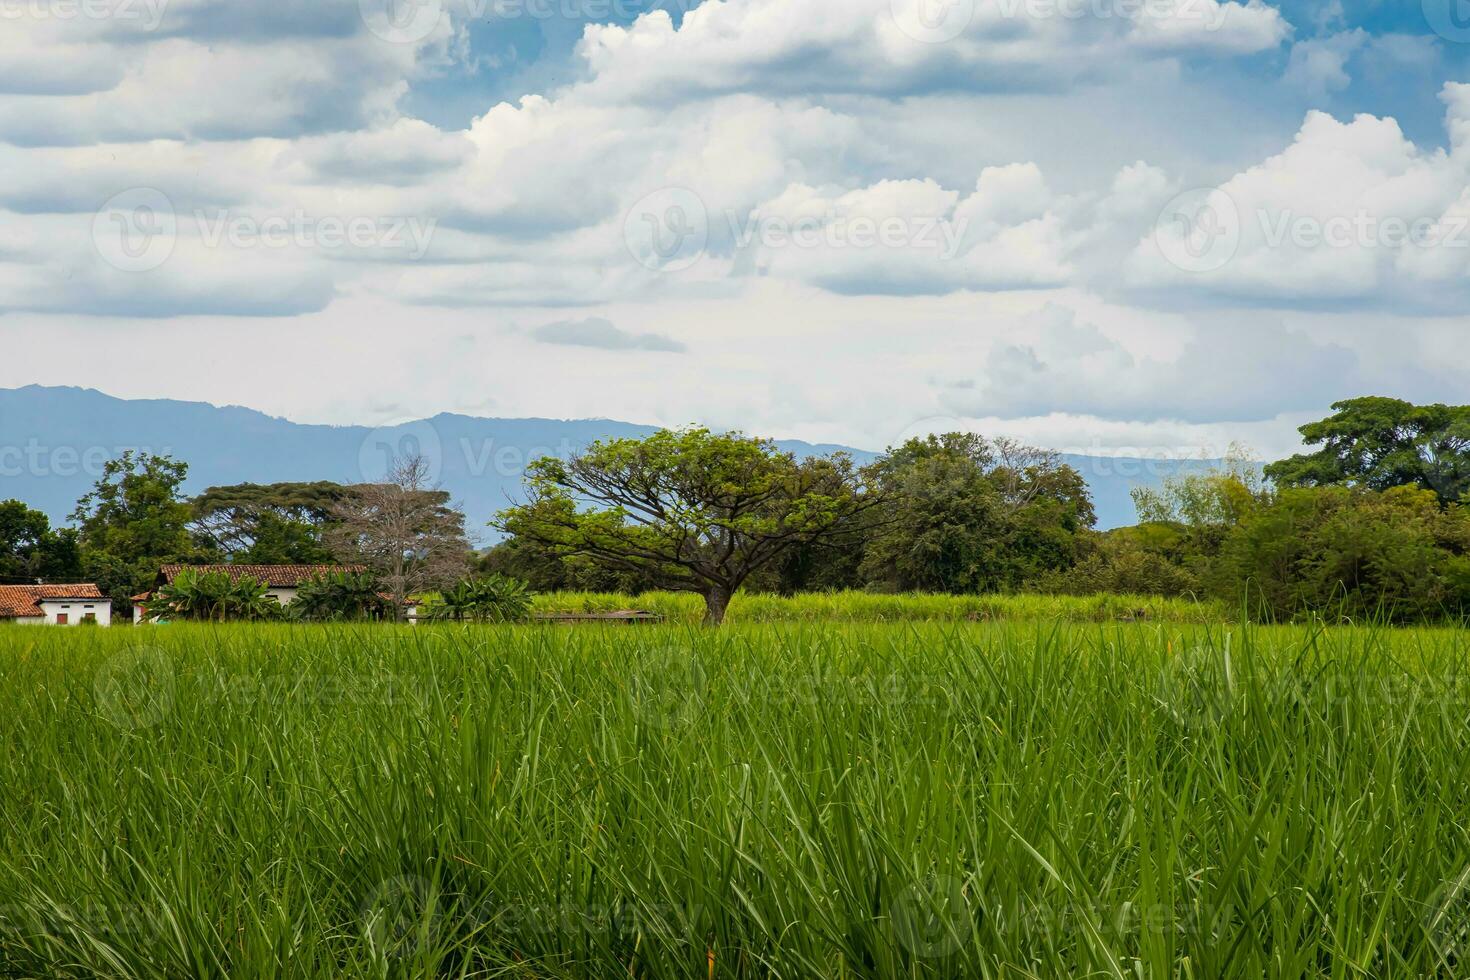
(1375, 521)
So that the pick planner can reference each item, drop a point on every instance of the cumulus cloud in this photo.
(600, 333)
(870, 198)
(906, 237)
(880, 46)
(1351, 212)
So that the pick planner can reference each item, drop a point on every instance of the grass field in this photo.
(867, 607)
(991, 799)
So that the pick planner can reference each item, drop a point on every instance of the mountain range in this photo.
(54, 441)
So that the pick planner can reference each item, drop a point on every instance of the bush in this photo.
(214, 596)
(1395, 555)
(339, 596)
(1123, 564)
(491, 599)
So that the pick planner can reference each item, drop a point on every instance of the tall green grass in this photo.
(895, 800)
(867, 607)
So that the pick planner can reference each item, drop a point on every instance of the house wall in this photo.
(75, 610)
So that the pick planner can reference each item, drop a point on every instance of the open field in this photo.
(993, 799)
(868, 607)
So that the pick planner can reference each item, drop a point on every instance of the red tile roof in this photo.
(274, 576)
(24, 601)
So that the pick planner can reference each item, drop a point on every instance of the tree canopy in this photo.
(267, 524)
(30, 549)
(407, 532)
(1382, 443)
(966, 514)
(134, 519)
(691, 510)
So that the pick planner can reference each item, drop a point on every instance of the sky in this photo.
(1107, 226)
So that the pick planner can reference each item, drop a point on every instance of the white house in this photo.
(55, 605)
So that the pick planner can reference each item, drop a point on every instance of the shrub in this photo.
(339, 596)
(214, 596)
(491, 599)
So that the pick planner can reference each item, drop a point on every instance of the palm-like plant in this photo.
(336, 596)
(214, 596)
(491, 599)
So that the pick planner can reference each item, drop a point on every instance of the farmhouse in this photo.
(55, 605)
(281, 581)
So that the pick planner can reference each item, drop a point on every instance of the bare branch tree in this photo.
(406, 530)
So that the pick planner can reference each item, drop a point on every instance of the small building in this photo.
(281, 581)
(55, 605)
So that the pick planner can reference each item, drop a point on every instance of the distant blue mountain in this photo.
(53, 442)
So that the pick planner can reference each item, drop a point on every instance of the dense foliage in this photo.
(691, 510)
(214, 596)
(274, 524)
(485, 599)
(1372, 523)
(1382, 443)
(1395, 556)
(340, 596)
(964, 514)
(132, 521)
(31, 550)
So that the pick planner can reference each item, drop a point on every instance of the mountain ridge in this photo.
(55, 439)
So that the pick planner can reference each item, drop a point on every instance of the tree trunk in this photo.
(716, 601)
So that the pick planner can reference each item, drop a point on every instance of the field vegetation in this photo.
(885, 799)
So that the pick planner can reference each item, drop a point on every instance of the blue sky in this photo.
(1100, 225)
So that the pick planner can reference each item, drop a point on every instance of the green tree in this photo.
(545, 569)
(964, 514)
(30, 550)
(1381, 443)
(132, 521)
(267, 524)
(1187, 519)
(691, 510)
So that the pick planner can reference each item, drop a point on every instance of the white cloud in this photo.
(1350, 212)
(872, 46)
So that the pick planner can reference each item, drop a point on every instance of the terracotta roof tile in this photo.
(274, 576)
(23, 601)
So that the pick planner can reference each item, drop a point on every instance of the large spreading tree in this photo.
(1382, 443)
(267, 524)
(690, 510)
